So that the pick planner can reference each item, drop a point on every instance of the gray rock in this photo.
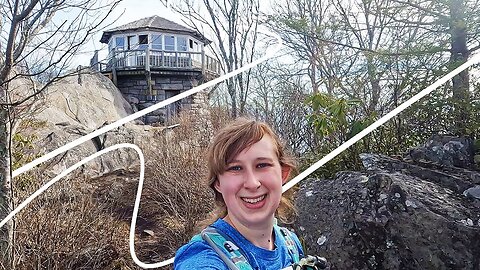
(74, 110)
(172, 86)
(132, 100)
(473, 192)
(144, 105)
(457, 179)
(445, 150)
(52, 136)
(90, 104)
(321, 240)
(405, 216)
(149, 119)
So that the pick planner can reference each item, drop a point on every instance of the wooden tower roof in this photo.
(153, 23)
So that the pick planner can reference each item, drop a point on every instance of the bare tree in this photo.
(337, 40)
(234, 25)
(304, 25)
(382, 51)
(37, 37)
(453, 26)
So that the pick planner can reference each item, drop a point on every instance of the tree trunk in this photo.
(6, 202)
(242, 93)
(374, 83)
(233, 95)
(459, 55)
(313, 74)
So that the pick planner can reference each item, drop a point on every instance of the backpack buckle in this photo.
(311, 263)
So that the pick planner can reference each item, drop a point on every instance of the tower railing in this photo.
(149, 59)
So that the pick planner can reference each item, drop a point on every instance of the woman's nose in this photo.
(252, 180)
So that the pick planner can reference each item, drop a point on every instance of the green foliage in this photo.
(477, 145)
(342, 162)
(335, 120)
(361, 124)
(331, 115)
(295, 24)
(435, 114)
(23, 151)
(23, 144)
(473, 127)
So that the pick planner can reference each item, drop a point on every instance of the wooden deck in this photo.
(158, 59)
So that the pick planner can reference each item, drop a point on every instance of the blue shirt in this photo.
(198, 254)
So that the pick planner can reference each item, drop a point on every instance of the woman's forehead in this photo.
(264, 148)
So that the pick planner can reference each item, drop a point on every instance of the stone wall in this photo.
(135, 90)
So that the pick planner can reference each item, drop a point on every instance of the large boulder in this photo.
(52, 136)
(74, 108)
(88, 101)
(396, 215)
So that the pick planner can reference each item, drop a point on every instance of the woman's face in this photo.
(251, 186)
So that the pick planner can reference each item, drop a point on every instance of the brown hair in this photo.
(227, 144)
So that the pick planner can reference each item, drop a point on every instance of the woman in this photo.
(247, 168)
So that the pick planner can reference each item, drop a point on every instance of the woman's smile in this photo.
(255, 202)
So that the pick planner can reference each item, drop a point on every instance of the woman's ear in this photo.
(216, 185)
(285, 173)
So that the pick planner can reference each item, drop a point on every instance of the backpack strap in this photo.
(226, 249)
(290, 243)
(233, 255)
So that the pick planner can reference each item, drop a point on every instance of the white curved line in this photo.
(157, 106)
(116, 124)
(69, 170)
(135, 207)
(474, 60)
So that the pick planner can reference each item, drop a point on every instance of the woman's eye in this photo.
(234, 168)
(263, 165)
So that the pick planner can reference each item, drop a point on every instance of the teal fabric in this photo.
(232, 252)
(198, 254)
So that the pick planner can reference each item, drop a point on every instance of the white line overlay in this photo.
(269, 54)
(70, 145)
(475, 59)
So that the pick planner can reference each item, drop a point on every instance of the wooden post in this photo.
(114, 64)
(147, 59)
(163, 60)
(176, 60)
(94, 64)
(203, 59)
(190, 60)
(148, 75)
(79, 74)
(114, 76)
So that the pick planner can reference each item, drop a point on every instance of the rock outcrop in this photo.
(73, 109)
(89, 102)
(420, 212)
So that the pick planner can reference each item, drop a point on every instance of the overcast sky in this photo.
(127, 11)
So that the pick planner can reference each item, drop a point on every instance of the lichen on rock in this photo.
(398, 214)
